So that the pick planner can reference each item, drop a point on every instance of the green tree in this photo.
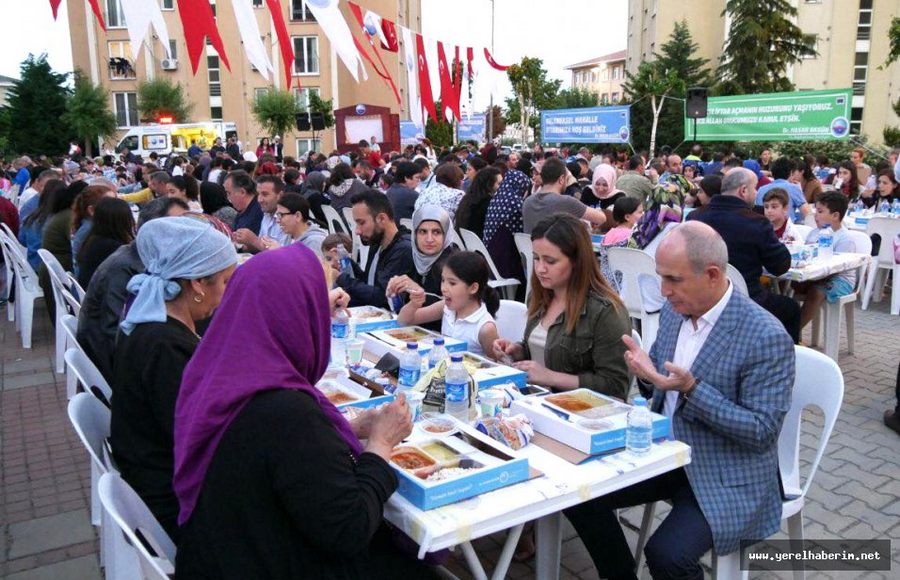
(88, 112)
(276, 111)
(160, 98)
(532, 92)
(440, 133)
(35, 105)
(894, 36)
(762, 43)
(318, 105)
(655, 85)
(679, 54)
(576, 98)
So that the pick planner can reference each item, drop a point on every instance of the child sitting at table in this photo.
(776, 204)
(330, 249)
(831, 206)
(468, 306)
(626, 212)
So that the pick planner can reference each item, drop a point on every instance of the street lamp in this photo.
(491, 107)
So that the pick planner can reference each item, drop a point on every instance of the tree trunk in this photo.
(523, 115)
(88, 151)
(655, 122)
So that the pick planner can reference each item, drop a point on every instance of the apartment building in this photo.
(219, 94)
(851, 41)
(603, 75)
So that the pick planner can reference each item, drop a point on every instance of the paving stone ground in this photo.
(45, 476)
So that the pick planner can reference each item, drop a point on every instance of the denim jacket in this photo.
(594, 351)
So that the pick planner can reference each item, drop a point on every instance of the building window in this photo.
(215, 113)
(864, 27)
(615, 98)
(300, 13)
(306, 55)
(856, 117)
(606, 74)
(173, 48)
(304, 145)
(115, 18)
(125, 105)
(260, 92)
(301, 96)
(168, 4)
(257, 3)
(604, 99)
(860, 73)
(815, 47)
(120, 65)
(214, 74)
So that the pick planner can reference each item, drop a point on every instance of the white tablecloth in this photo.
(820, 268)
(562, 485)
(860, 221)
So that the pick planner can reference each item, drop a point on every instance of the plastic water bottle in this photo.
(344, 260)
(456, 389)
(438, 353)
(340, 329)
(826, 242)
(895, 208)
(859, 206)
(885, 207)
(639, 432)
(410, 367)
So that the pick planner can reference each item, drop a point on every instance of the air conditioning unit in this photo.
(169, 64)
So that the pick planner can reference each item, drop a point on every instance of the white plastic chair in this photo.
(75, 287)
(58, 280)
(888, 229)
(474, 244)
(511, 319)
(523, 244)
(9, 271)
(336, 224)
(810, 221)
(91, 420)
(830, 317)
(86, 373)
(803, 231)
(407, 223)
(72, 304)
(737, 279)
(633, 264)
(27, 288)
(818, 383)
(632, 379)
(146, 539)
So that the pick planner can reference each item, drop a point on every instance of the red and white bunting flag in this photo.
(251, 38)
(332, 22)
(389, 40)
(285, 44)
(449, 92)
(198, 23)
(412, 90)
(424, 79)
(492, 62)
(54, 5)
(370, 29)
(140, 15)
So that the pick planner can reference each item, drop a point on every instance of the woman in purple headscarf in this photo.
(272, 481)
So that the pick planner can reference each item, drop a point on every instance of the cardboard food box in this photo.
(486, 465)
(487, 373)
(584, 420)
(345, 392)
(379, 342)
(368, 318)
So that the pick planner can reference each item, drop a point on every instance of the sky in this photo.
(561, 32)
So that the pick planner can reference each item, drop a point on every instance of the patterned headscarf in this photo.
(664, 205)
(505, 208)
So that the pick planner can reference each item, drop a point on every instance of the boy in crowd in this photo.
(831, 206)
(330, 250)
(777, 207)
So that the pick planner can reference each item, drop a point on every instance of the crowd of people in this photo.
(254, 473)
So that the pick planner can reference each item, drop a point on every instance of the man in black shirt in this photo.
(390, 251)
(402, 193)
(751, 243)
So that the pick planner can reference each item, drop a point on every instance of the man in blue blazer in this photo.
(722, 369)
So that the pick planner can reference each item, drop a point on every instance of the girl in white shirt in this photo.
(468, 306)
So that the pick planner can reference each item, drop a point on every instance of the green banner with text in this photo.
(800, 116)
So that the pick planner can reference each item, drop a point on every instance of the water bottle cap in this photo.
(640, 402)
(456, 357)
(412, 346)
(439, 341)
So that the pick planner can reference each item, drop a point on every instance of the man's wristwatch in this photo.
(685, 395)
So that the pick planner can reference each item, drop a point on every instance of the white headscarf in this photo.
(437, 214)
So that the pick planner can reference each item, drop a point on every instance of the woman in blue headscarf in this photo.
(188, 263)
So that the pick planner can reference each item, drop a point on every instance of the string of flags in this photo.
(463, 71)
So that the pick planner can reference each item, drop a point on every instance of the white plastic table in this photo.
(860, 221)
(563, 485)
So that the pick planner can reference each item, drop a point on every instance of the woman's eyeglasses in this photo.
(280, 214)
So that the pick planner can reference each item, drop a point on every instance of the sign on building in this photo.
(592, 125)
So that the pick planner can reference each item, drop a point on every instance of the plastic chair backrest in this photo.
(7, 264)
(523, 244)
(474, 244)
(69, 322)
(407, 223)
(631, 263)
(58, 276)
(145, 534)
(89, 376)
(511, 319)
(91, 420)
(336, 225)
(887, 228)
(738, 280)
(75, 287)
(27, 276)
(818, 383)
(863, 246)
(74, 305)
(803, 230)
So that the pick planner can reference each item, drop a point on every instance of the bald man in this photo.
(752, 243)
(721, 369)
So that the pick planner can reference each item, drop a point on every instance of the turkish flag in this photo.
(389, 39)
(285, 45)
(54, 5)
(492, 62)
(424, 80)
(198, 23)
